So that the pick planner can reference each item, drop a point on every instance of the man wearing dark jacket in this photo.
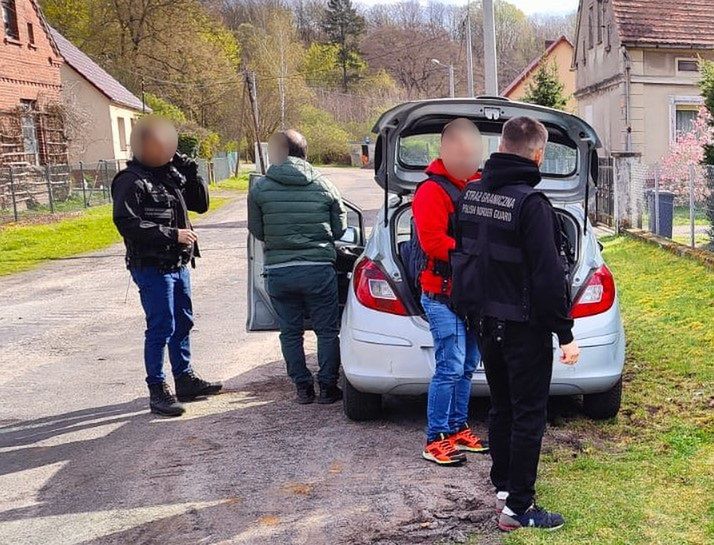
(299, 214)
(152, 197)
(510, 275)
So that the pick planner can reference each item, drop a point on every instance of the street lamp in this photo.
(450, 68)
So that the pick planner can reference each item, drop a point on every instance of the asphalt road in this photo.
(83, 462)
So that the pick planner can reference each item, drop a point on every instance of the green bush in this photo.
(327, 141)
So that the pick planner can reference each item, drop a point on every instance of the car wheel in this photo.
(604, 405)
(360, 406)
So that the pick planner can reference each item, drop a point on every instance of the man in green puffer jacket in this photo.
(298, 214)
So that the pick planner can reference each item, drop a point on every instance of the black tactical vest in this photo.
(490, 273)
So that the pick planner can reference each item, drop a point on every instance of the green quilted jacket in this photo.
(297, 213)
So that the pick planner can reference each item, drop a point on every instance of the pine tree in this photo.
(546, 89)
(343, 26)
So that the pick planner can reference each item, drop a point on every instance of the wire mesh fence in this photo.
(675, 207)
(29, 191)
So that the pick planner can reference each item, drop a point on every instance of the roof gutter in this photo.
(628, 96)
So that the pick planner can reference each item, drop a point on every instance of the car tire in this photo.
(603, 405)
(360, 406)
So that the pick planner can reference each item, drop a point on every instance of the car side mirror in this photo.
(351, 235)
(594, 166)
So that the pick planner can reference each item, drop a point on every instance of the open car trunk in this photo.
(402, 232)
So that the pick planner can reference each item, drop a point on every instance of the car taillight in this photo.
(373, 289)
(597, 296)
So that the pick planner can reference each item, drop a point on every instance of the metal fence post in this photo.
(84, 189)
(692, 174)
(656, 200)
(12, 192)
(49, 189)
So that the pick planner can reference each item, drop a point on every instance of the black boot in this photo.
(163, 402)
(305, 393)
(329, 394)
(189, 386)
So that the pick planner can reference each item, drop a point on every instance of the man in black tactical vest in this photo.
(152, 197)
(510, 280)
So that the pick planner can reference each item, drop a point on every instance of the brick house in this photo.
(31, 121)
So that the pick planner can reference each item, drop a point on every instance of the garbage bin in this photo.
(666, 212)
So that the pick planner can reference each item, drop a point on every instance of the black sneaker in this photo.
(329, 394)
(305, 393)
(189, 386)
(163, 402)
(534, 517)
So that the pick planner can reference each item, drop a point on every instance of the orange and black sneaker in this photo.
(442, 451)
(465, 440)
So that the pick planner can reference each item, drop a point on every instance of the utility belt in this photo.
(163, 266)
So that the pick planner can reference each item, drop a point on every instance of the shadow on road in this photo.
(248, 466)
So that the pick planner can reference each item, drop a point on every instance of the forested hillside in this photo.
(327, 67)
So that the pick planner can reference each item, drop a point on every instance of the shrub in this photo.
(327, 141)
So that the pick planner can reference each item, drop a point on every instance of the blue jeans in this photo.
(457, 356)
(299, 292)
(166, 298)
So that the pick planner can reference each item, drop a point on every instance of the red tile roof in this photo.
(94, 73)
(682, 23)
(535, 63)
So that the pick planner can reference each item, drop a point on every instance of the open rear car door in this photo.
(261, 314)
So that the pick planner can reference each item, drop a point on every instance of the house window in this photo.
(684, 119)
(9, 18)
(29, 130)
(30, 34)
(600, 9)
(608, 32)
(121, 127)
(683, 112)
(591, 40)
(687, 66)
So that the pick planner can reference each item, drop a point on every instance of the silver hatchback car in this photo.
(386, 344)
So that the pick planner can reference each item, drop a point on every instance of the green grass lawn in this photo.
(646, 477)
(235, 183)
(25, 246)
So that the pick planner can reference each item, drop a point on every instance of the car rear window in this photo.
(417, 151)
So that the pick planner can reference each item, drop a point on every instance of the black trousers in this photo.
(518, 359)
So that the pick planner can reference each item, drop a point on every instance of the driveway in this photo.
(83, 462)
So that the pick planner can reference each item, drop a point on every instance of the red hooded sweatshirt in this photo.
(431, 208)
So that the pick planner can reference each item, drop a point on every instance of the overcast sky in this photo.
(528, 6)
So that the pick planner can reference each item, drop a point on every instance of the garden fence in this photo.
(29, 192)
(673, 208)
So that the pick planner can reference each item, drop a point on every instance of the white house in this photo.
(105, 110)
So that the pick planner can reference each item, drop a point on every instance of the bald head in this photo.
(284, 144)
(154, 141)
(526, 137)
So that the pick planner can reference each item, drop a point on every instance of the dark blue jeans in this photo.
(296, 293)
(456, 357)
(166, 298)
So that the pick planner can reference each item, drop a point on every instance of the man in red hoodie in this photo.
(455, 349)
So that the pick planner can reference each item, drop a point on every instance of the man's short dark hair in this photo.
(296, 142)
(460, 124)
(523, 136)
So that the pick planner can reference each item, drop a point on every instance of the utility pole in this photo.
(252, 96)
(489, 49)
(469, 54)
(241, 125)
(281, 81)
(143, 97)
